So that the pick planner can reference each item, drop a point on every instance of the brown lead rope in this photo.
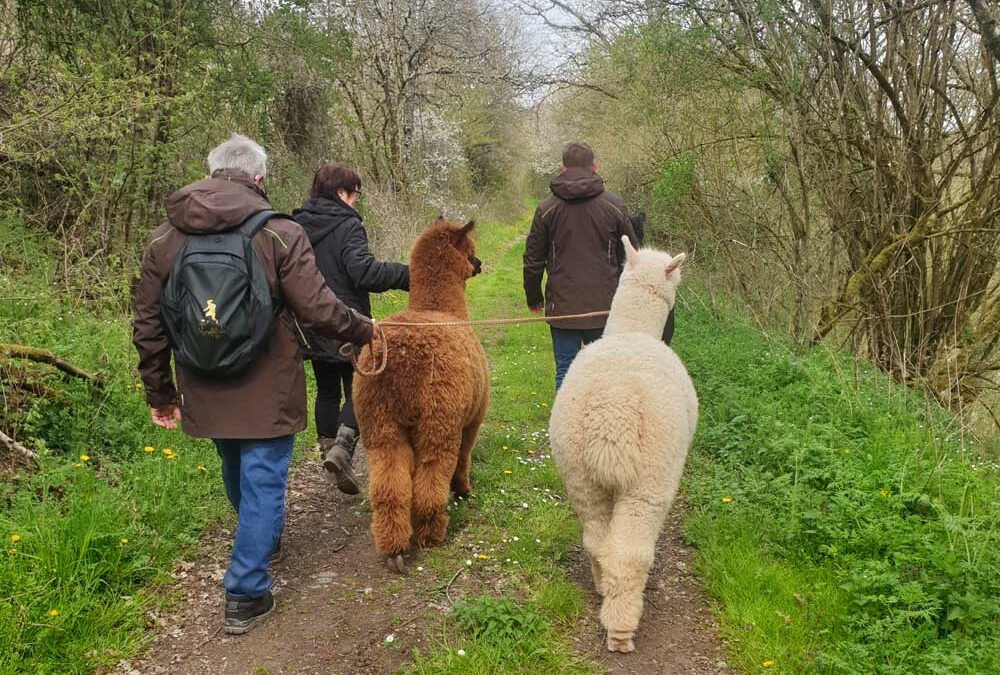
(378, 335)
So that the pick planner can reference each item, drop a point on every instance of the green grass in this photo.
(863, 531)
(95, 539)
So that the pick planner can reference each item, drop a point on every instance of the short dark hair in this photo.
(330, 178)
(578, 155)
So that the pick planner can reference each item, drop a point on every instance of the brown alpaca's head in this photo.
(443, 257)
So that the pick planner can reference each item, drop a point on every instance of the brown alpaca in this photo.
(419, 418)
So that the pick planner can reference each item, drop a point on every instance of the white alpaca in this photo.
(620, 430)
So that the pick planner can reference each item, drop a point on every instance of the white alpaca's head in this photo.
(646, 291)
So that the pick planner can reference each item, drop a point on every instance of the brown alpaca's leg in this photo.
(390, 462)
(460, 483)
(437, 450)
(627, 556)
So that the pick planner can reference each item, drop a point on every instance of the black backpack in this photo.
(217, 306)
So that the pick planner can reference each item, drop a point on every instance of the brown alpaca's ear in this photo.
(464, 231)
(675, 262)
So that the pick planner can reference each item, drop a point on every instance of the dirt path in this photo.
(677, 635)
(337, 604)
(336, 601)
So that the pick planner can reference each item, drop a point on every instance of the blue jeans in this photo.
(566, 344)
(255, 473)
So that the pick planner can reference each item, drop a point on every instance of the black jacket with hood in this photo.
(341, 244)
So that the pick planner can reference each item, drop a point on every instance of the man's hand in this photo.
(536, 309)
(166, 416)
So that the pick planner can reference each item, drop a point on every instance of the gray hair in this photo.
(239, 153)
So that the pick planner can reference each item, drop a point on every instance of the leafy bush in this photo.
(853, 490)
(497, 620)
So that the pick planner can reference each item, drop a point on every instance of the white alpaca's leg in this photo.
(595, 515)
(628, 554)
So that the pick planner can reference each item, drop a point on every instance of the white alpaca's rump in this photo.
(620, 445)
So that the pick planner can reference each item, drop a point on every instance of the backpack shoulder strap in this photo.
(257, 221)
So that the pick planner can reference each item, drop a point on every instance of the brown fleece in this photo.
(419, 418)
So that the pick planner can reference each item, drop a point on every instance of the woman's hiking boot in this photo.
(337, 460)
(243, 613)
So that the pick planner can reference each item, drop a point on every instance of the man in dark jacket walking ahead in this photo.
(575, 239)
(253, 415)
(352, 272)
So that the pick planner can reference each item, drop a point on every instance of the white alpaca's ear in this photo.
(675, 263)
(631, 255)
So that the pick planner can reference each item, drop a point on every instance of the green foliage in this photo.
(490, 619)
(674, 182)
(860, 516)
(89, 539)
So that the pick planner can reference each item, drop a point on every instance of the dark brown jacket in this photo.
(269, 399)
(575, 238)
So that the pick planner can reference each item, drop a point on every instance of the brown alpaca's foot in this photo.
(431, 531)
(621, 642)
(461, 488)
(396, 563)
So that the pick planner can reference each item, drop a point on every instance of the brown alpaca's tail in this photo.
(390, 465)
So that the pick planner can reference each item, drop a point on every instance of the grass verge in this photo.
(90, 537)
(844, 522)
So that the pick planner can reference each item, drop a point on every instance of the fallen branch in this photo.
(43, 356)
(17, 447)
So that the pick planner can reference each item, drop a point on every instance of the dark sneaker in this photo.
(278, 553)
(243, 613)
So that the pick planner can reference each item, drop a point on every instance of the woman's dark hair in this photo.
(330, 178)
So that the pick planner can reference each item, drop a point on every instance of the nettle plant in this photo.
(497, 620)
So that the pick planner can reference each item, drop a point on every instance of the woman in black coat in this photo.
(341, 245)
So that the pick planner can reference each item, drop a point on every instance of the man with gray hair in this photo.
(221, 235)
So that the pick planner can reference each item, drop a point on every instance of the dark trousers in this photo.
(566, 344)
(333, 386)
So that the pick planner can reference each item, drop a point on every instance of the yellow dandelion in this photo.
(84, 458)
(167, 451)
(883, 493)
(171, 456)
(507, 472)
(14, 538)
(123, 541)
(53, 613)
(138, 385)
(768, 663)
(531, 452)
(504, 447)
(149, 448)
(727, 500)
(201, 468)
(482, 556)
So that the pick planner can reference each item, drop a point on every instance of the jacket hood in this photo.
(577, 184)
(320, 216)
(214, 204)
